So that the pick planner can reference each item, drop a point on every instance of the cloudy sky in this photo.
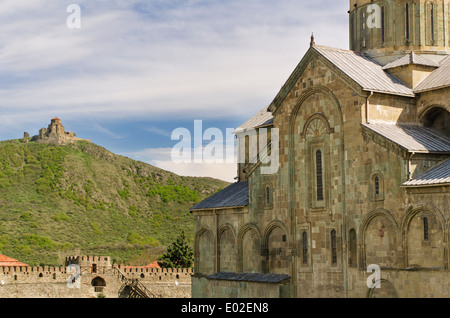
(136, 70)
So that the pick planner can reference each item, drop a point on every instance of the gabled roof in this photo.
(411, 58)
(412, 137)
(235, 195)
(437, 175)
(439, 78)
(8, 261)
(364, 71)
(263, 118)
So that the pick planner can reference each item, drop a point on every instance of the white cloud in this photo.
(134, 57)
(154, 59)
(162, 158)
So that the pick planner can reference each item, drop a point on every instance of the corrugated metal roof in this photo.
(364, 71)
(437, 79)
(413, 138)
(262, 118)
(411, 58)
(251, 277)
(235, 195)
(437, 175)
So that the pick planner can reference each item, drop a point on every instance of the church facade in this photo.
(359, 203)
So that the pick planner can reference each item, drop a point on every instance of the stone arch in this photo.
(379, 240)
(324, 126)
(275, 247)
(436, 116)
(205, 251)
(319, 89)
(249, 249)
(420, 249)
(227, 249)
(386, 290)
(99, 283)
(319, 104)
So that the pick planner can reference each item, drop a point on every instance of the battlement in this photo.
(96, 274)
(89, 260)
(32, 269)
(137, 269)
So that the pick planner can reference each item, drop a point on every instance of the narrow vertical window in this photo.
(407, 22)
(425, 229)
(383, 30)
(364, 29)
(319, 176)
(377, 186)
(352, 248)
(267, 195)
(333, 248)
(432, 21)
(305, 248)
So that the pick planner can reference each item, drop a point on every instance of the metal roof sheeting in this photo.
(437, 175)
(235, 195)
(251, 277)
(262, 118)
(364, 71)
(413, 138)
(411, 58)
(439, 78)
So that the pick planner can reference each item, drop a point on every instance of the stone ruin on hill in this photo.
(54, 134)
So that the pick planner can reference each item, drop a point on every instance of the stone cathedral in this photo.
(359, 203)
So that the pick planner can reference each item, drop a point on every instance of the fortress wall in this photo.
(56, 281)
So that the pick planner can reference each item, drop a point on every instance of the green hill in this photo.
(82, 199)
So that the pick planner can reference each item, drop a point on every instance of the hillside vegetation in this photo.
(82, 199)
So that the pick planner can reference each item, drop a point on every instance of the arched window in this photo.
(363, 29)
(407, 21)
(268, 196)
(99, 284)
(377, 185)
(305, 248)
(432, 21)
(383, 25)
(333, 248)
(319, 176)
(425, 229)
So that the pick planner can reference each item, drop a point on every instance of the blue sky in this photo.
(136, 70)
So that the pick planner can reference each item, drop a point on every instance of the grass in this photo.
(81, 198)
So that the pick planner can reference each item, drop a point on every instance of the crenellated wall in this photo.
(88, 277)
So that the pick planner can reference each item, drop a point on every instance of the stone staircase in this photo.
(132, 288)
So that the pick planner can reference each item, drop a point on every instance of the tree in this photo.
(179, 254)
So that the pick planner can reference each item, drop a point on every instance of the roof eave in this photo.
(218, 208)
(418, 91)
(425, 185)
(388, 93)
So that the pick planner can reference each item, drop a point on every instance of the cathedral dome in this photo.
(387, 29)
